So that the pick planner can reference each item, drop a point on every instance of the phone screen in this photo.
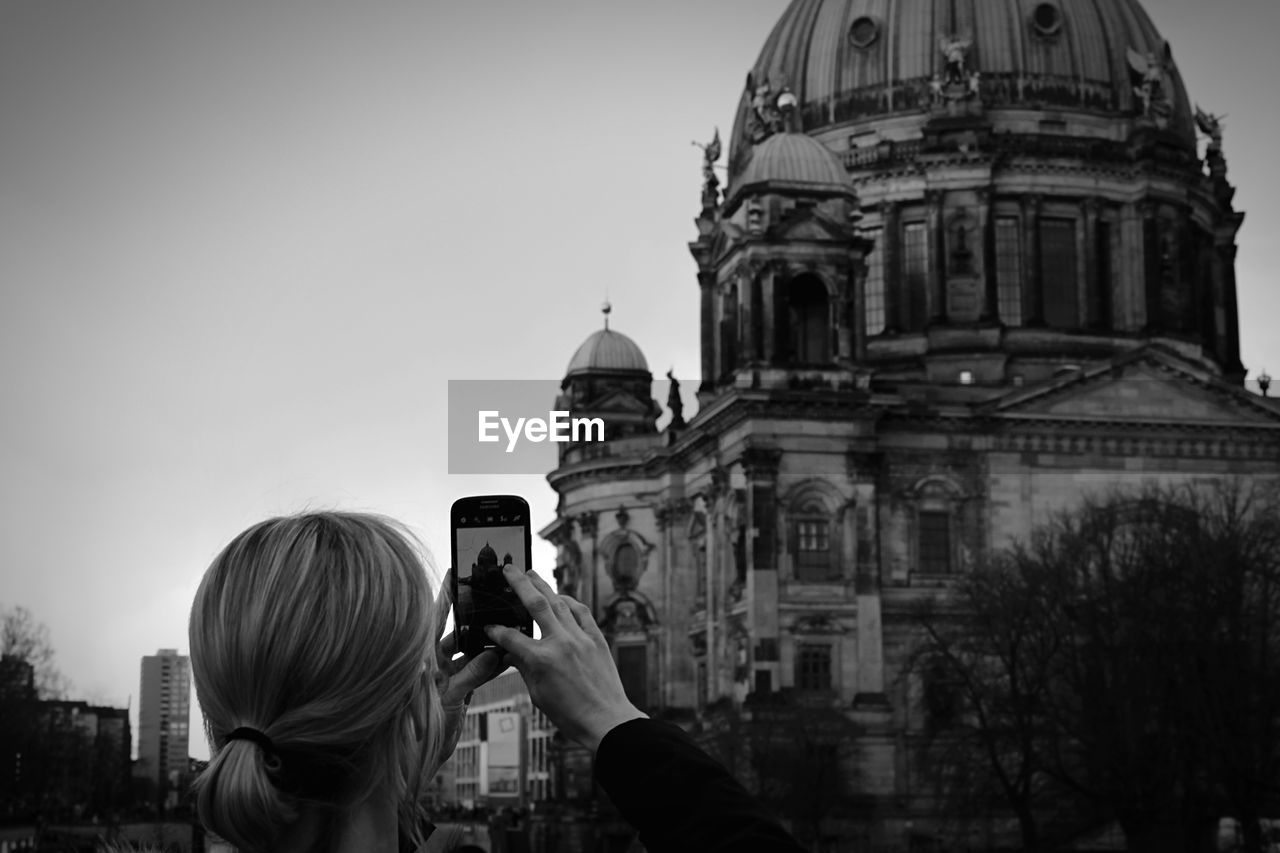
(483, 552)
(489, 533)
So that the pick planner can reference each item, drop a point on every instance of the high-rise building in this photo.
(164, 722)
(970, 262)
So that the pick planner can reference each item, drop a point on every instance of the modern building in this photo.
(972, 261)
(503, 755)
(164, 722)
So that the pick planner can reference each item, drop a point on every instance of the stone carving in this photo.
(768, 108)
(956, 50)
(628, 613)
(674, 403)
(957, 81)
(1211, 126)
(818, 623)
(1150, 85)
(710, 183)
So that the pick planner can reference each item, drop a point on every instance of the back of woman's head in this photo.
(319, 632)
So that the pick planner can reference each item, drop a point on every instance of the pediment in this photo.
(811, 226)
(620, 402)
(1149, 388)
(727, 237)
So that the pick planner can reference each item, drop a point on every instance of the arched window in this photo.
(937, 545)
(810, 322)
(812, 543)
(813, 666)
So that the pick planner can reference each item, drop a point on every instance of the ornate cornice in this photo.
(673, 512)
(761, 463)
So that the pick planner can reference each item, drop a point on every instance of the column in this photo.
(890, 234)
(587, 526)
(1033, 277)
(990, 286)
(1151, 265)
(937, 288)
(707, 281)
(1092, 281)
(846, 298)
(1231, 365)
(760, 468)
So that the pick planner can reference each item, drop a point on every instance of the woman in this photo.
(331, 699)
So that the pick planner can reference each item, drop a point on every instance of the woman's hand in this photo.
(570, 671)
(456, 679)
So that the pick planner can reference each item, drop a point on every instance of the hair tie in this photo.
(252, 734)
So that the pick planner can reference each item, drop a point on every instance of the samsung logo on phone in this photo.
(559, 427)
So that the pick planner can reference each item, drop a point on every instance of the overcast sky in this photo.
(243, 247)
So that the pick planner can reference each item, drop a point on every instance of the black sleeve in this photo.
(680, 798)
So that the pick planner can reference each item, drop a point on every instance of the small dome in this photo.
(610, 352)
(794, 159)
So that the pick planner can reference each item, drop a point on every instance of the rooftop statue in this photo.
(710, 154)
(956, 50)
(766, 118)
(1211, 126)
(1151, 87)
(674, 403)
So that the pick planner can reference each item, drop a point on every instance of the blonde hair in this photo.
(321, 631)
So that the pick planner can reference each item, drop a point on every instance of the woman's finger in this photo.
(474, 672)
(534, 600)
(559, 605)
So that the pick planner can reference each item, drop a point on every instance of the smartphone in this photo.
(487, 533)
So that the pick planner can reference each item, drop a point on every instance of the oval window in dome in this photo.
(1047, 19)
(864, 32)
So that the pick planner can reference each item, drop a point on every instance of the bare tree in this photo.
(24, 639)
(987, 662)
(1125, 661)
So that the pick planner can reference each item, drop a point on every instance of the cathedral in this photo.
(969, 262)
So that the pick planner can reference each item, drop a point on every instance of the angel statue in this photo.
(710, 154)
(767, 119)
(1211, 126)
(1149, 75)
(955, 49)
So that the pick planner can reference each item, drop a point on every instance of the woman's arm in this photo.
(680, 798)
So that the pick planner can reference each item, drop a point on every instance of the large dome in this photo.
(854, 61)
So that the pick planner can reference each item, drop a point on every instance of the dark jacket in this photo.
(678, 797)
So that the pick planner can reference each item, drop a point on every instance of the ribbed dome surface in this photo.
(847, 60)
(793, 158)
(607, 351)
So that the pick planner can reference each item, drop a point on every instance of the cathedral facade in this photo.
(972, 262)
